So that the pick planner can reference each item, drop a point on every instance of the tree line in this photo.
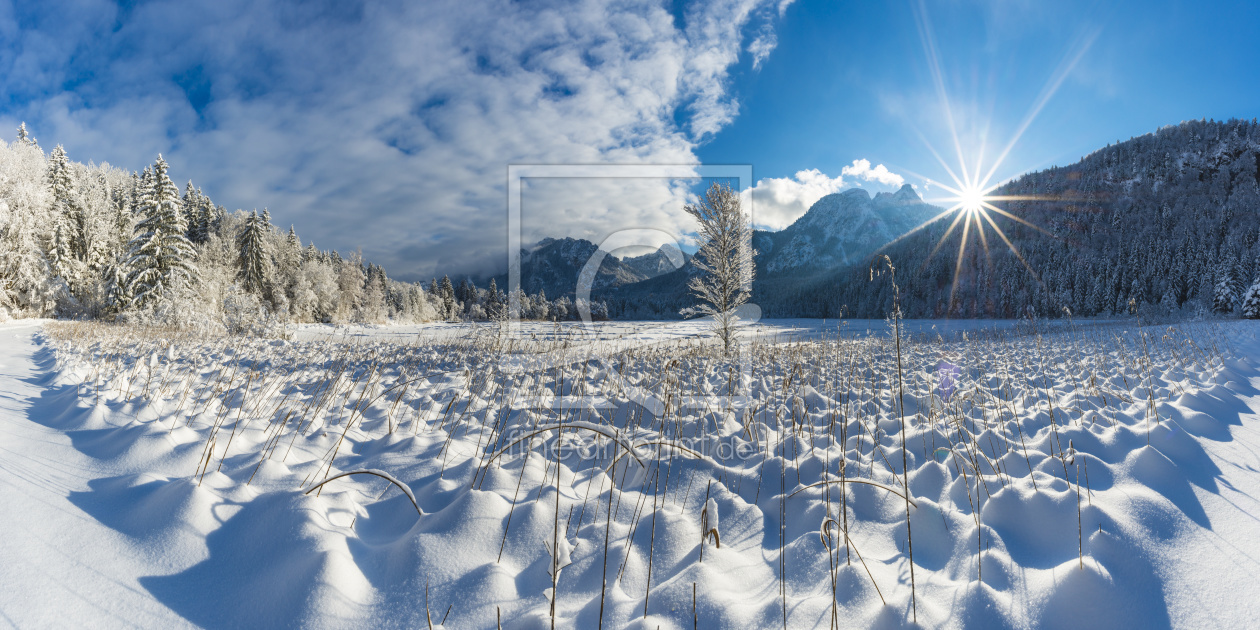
(1164, 225)
(98, 242)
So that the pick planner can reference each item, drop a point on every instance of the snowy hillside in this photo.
(1075, 476)
(1160, 224)
(1155, 224)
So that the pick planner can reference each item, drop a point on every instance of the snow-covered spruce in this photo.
(161, 257)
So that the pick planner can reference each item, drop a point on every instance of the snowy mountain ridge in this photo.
(657, 263)
(552, 266)
(838, 231)
(842, 229)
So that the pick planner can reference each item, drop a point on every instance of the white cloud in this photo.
(766, 40)
(778, 201)
(761, 47)
(862, 169)
(389, 126)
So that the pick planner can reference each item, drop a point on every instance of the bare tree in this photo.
(725, 260)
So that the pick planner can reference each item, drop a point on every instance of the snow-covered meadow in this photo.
(1087, 474)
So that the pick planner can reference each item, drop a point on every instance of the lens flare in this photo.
(971, 202)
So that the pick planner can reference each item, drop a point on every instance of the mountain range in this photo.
(1153, 224)
(837, 231)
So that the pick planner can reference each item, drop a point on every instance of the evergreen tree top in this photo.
(23, 137)
(59, 174)
(161, 257)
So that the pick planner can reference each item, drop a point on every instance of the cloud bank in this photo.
(778, 201)
(862, 169)
(389, 125)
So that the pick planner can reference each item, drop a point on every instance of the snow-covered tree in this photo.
(117, 296)
(59, 175)
(1224, 296)
(67, 250)
(724, 258)
(202, 218)
(464, 293)
(24, 138)
(162, 260)
(562, 308)
(61, 256)
(254, 248)
(1251, 301)
(599, 311)
(447, 292)
(1169, 301)
(315, 292)
(496, 303)
(373, 309)
(27, 285)
(540, 308)
(287, 260)
(190, 207)
(421, 309)
(350, 280)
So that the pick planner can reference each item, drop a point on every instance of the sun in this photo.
(972, 206)
(971, 199)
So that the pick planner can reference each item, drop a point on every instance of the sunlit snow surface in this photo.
(650, 331)
(159, 481)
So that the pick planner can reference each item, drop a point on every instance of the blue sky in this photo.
(388, 126)
(854, 81)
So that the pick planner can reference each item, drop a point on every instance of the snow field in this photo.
(1048, 470)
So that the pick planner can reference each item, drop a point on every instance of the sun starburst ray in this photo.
(980, 161)
(935, 154)
(918, 227)
(944, 236)
(962, 251)
(938, 78)
(1017, 218)
(992, 198)
(1014, 250)
(949, 188)
(984, 241)
(1052, 86)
